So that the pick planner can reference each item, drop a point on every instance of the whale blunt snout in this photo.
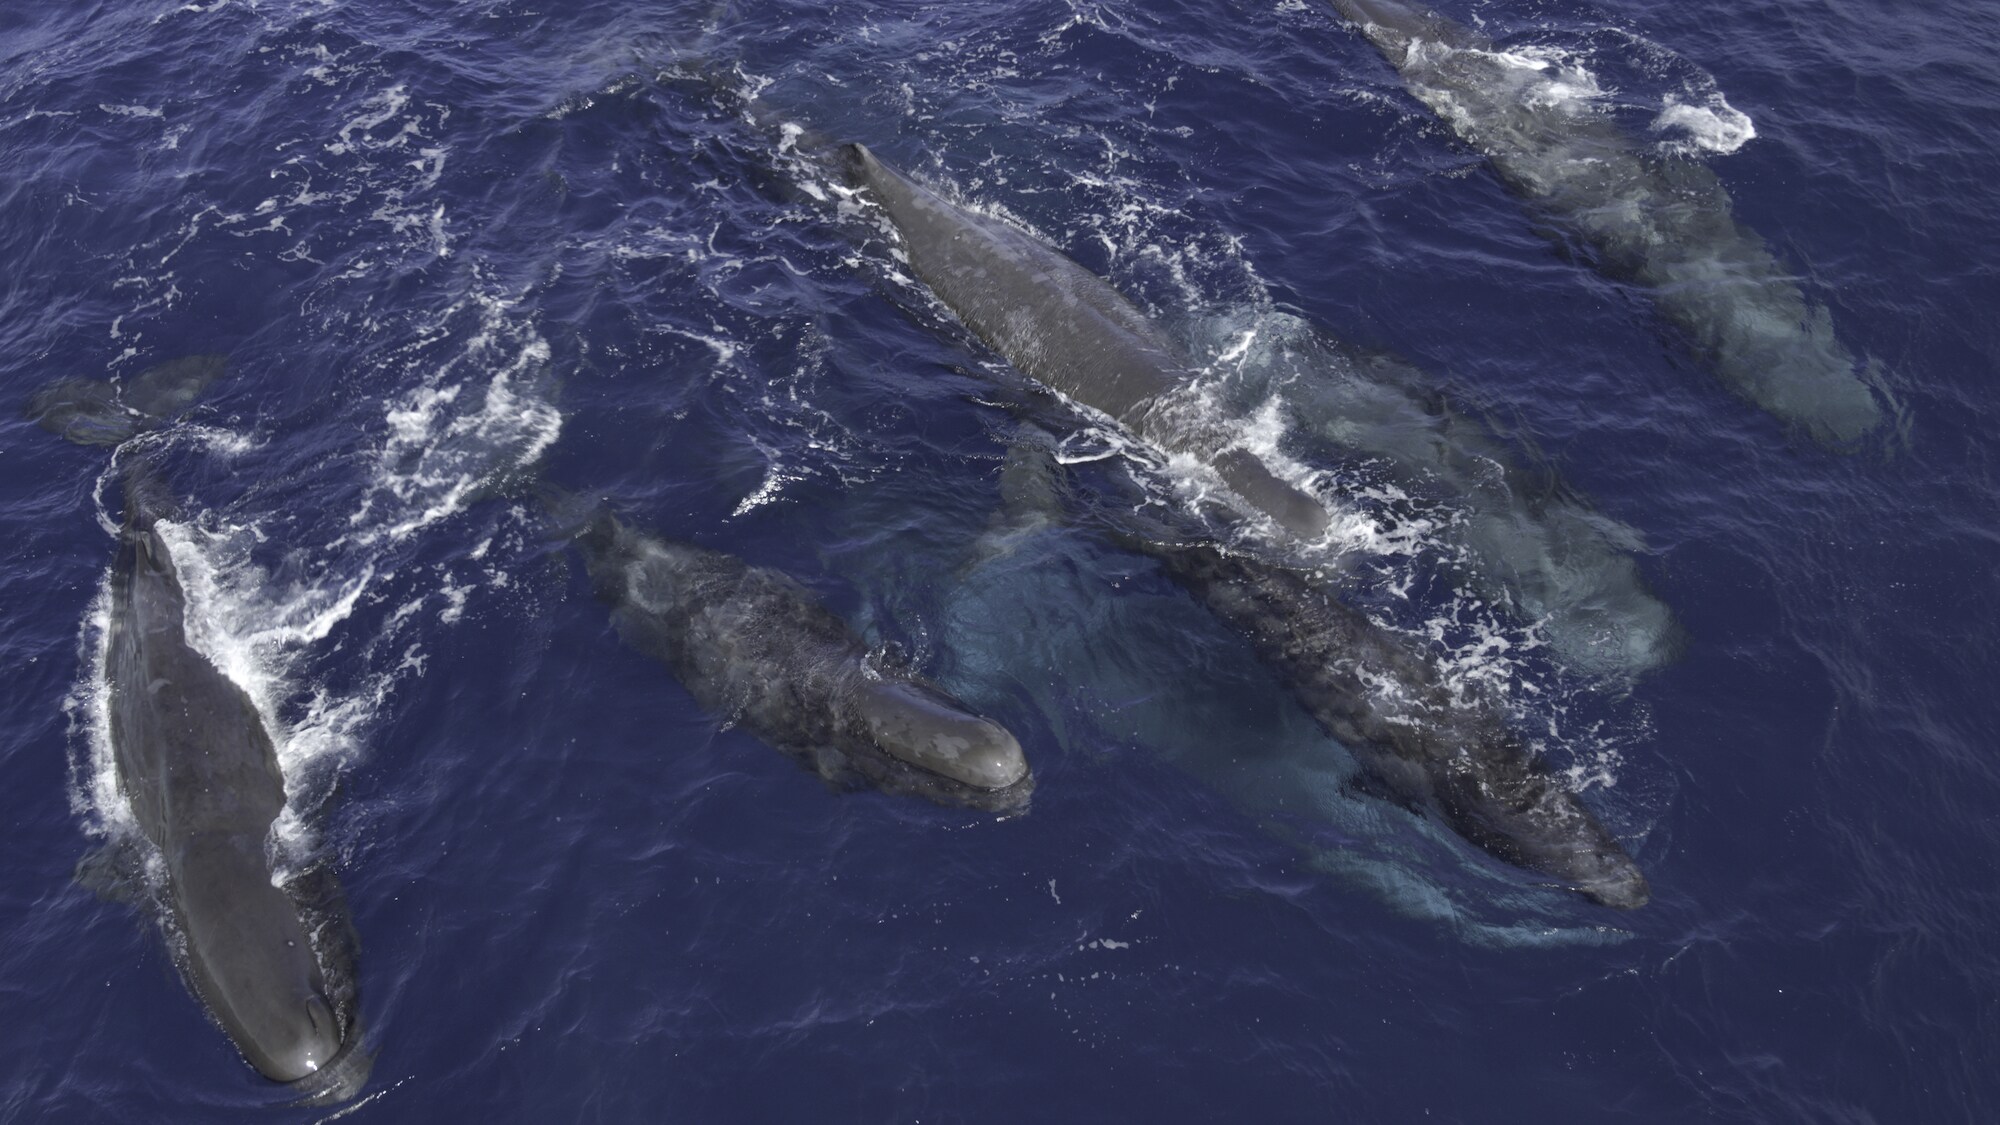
(298, 1045)
(1600, 870)
(1615, 881)
(1628, 892)
(1526, 817)
(991, 758)
(251, 955)
(928, 730)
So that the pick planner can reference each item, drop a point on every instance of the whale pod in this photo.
(1069, 330)
(1663, 222)
(752, 644)
(198, 767)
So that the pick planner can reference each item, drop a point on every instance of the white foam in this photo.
(377, 110)
(1560, 78)
(454, 597)
(775, 479)
(248, 626)
(450, 437)
(95, 795)
(1713, 126)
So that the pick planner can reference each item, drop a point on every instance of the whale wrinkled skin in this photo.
(1069, 330)
(754, 646)
(196, 763)
(1662, 221)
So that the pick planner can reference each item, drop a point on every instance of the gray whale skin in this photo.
(1428, 751)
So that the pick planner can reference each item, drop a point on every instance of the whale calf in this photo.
(198, 767)
(1662, 222)
(1369, 689)
(1068, 329)
(753, 645)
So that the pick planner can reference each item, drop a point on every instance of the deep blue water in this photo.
(451, 249)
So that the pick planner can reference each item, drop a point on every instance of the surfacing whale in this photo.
(1070, 330)
(754, 646)
(1370, 690)
(1663, 222)
(199, 769)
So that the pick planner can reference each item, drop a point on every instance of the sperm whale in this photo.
(199, 769)
(752, 644)
(1070, 330)
(1366, 686)
(1662, 222)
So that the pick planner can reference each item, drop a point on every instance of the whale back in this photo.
(1392, 26)
(1058, 322)
(1068, 329)
(1663, 221)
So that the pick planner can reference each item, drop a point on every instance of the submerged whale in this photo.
(1370, 690)
(1662, 222)
(1070, 330)
(1496, 513)
(753, 645)
(199, 769)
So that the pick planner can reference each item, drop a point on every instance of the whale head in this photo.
(251, 955)
(1519, 812)
(1600, 870)
(295, 1044)
(922, 727)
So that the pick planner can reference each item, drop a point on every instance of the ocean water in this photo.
(455, 251)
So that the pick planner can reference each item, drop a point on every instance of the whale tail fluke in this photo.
(106, 412)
